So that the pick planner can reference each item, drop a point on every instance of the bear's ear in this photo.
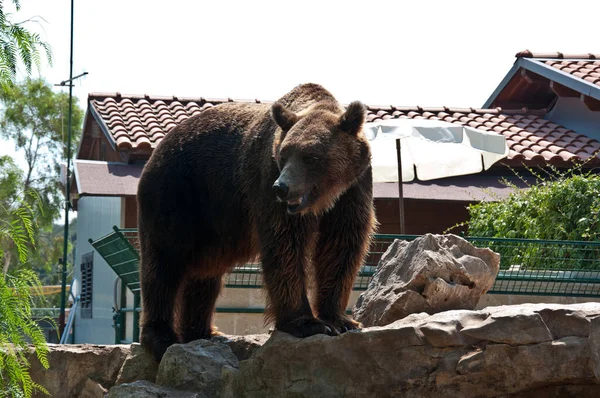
(284, 118)
(354, 117)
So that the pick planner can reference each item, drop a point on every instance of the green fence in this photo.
(528, 267)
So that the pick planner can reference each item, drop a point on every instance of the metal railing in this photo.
(528, 266)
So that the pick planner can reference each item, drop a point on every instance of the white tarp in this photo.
(431, 149)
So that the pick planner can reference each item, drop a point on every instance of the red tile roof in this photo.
(142, 121)
(582, 66)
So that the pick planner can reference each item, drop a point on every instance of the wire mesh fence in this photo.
(543, 267)
(528, 266)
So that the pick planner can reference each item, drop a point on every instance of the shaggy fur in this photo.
(290, 183)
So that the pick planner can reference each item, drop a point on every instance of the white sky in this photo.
(428, 53)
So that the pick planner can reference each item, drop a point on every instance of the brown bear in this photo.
(290, 183)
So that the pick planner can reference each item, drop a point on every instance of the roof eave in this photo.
(536, 66)
(564, 78)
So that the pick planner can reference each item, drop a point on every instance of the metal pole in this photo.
(63, 295)
(400, 192)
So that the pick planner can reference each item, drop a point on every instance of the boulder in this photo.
(139, 365)
(431, 274)
(522, 351)
(196, 366)
(242, 346)
(82, 370)
(145, 389)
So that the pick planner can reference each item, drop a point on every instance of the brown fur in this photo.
(207, 202)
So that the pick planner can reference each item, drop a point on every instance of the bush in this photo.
(562, 206)
(562, 209)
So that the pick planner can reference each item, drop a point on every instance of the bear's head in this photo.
(320, 153)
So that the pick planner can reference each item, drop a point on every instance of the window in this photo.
(87, 273)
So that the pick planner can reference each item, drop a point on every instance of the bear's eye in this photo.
(310, 159)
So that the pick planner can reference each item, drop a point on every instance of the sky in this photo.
(432, 53)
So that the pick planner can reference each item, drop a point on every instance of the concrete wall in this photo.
(248, 323)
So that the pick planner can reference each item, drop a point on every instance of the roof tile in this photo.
(142, 122)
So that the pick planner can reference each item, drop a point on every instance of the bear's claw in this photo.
(308, 326)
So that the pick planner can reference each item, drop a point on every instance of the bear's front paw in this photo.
(342, 323)
(307, 326)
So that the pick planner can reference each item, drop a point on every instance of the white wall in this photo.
(572, 113)
(95, 218)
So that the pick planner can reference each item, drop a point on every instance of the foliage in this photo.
(563, 206)
(35, 118)
(17, 210)
(49, 245)
(17, 292)
(18, 44)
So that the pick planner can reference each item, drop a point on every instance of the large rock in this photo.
(79, 370)
(521, 351)
(196, 366)
(431, 274)
(145, 389)
(242, 346)
(139, 365)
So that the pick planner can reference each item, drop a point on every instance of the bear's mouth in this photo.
(297, 205)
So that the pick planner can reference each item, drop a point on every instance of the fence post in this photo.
(136, 317)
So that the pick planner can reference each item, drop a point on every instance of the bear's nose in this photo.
(281, 190)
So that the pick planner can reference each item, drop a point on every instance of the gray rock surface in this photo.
(82, 370)
(530, 350)
(431, 274)
(495, 352)
(195, 366)
(139, 365)
(145, 389)
(242, 346)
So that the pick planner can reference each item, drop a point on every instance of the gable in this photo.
(537, 80)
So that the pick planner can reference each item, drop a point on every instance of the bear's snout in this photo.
(281, 190)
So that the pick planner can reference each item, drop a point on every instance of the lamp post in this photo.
(63, 293)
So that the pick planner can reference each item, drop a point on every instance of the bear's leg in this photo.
(345, 236)
(159, 291)
(197, 307)
(283, 253)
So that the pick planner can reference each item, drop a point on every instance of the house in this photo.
(547, 107)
